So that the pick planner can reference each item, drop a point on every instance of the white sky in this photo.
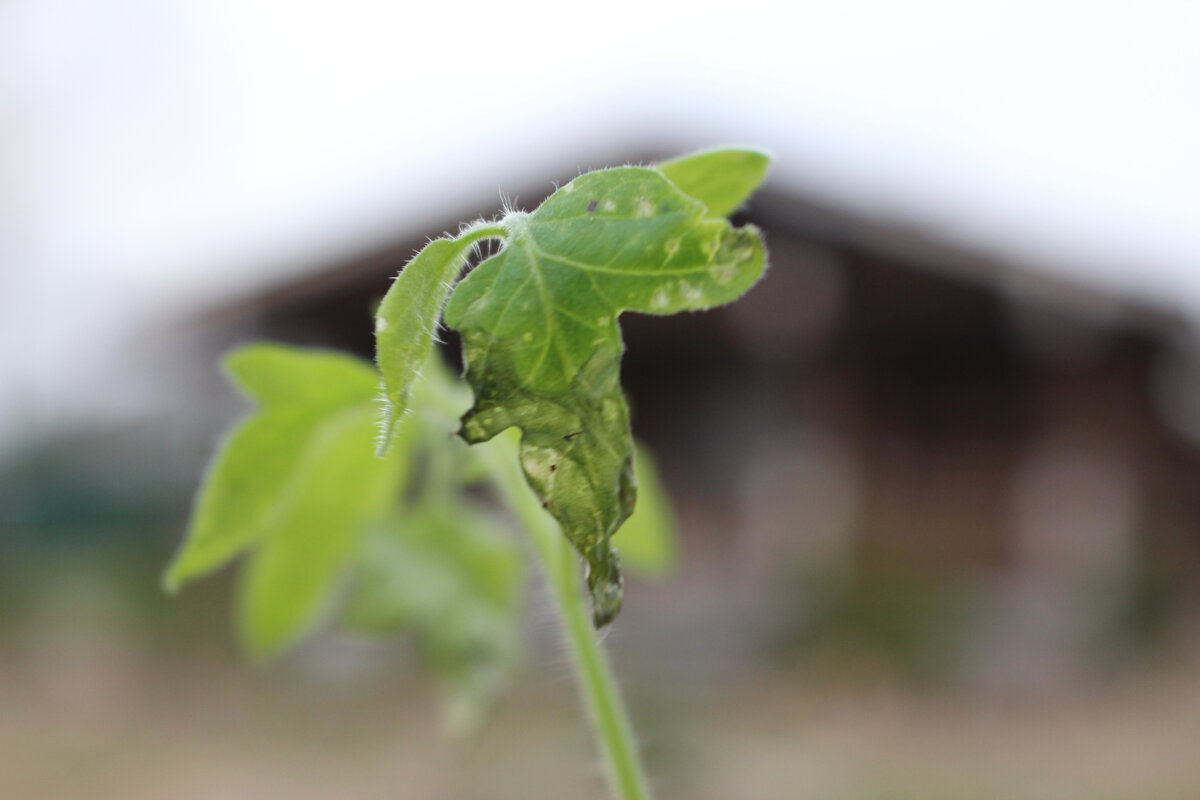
(155, 156)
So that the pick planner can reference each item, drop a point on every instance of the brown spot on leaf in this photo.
(592, 206)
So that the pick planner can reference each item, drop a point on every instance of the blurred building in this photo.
(889, 409)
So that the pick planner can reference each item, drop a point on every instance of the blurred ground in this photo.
(101, 701)
(94, 728)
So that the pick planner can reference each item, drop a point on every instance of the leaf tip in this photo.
(170, 583)
(181, 569)
(721, 177)
(606, 587)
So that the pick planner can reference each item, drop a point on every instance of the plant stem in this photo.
(610, 722)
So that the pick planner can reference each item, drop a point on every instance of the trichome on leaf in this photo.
(541, 342)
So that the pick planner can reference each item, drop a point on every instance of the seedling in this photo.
(388, 528)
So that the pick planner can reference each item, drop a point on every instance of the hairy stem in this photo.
(606, 711)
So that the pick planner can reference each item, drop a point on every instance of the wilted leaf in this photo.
(543, 349)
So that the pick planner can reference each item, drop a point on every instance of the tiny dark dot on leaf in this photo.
(553, 467)
(571, 436)
(593, 205)
(546, 504)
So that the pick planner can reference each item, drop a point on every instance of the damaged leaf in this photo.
(543, 348)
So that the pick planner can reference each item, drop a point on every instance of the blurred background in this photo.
(937, 477)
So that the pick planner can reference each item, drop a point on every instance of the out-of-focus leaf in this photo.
(721, 179)
(648, 541)
(278, 375)
(423, 565)
(338, 487)
(249, 478)
(440, 395)
(452, 578)
(299, 479)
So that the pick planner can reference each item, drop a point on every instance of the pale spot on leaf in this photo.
(724, 273)
(562, 284)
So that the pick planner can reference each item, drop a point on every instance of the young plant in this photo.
(299, 483)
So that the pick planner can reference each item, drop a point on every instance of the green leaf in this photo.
(407, 318)
(425, 565)
(299, 479)
(543, 349)
(721, 179)
(452, 578)
(647, 540)
(248, 479)
(242, 490)
(277, 375)
(337, 489)
(440, 396)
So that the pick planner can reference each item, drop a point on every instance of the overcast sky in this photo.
(156, 157)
